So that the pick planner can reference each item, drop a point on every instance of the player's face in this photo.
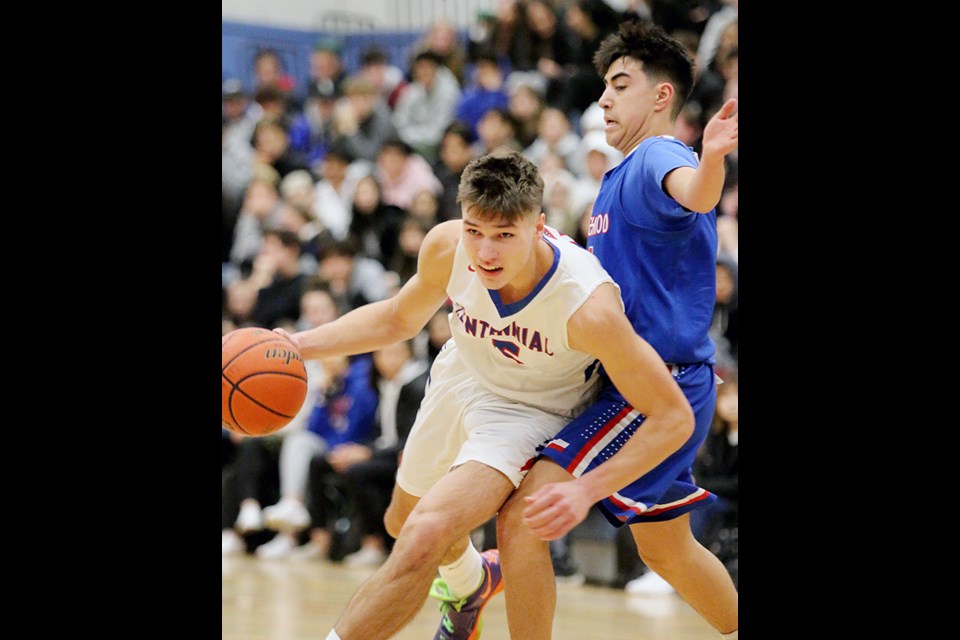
(627, 103)
(502, 253)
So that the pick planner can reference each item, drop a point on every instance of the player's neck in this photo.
(662, 129)
(521, 287)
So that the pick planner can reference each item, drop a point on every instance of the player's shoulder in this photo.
(443, 237)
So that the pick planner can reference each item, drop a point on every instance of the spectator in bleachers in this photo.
(486, 91)
(311, 130)
(374, 224)
(553, 47)
(278, 279)
(259, 212)
(724, 329)
(353, 280)
(268, 72)
(413, 230)
(455, 153)
(388, 78)
(271, 146)
(427, 105)
(555, 135)
(508, 36)
(369, 470)
(252, 478)
(425, 207)
(362, 120)
(326, 74)
(240, 116)
(442, 39)
(497, 131)
(589, 22)
(339, 175)
(526, 104)
(402, 173)
(344, 412)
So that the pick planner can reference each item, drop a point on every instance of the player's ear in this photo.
(541, 221)
(664, 96)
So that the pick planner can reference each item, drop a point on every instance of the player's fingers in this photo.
(727, 108)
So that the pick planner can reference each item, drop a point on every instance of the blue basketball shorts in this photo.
(665, 492)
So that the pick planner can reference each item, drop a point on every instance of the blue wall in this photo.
(241, 42)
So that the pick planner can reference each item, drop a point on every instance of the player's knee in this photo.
(429, 531)
(393, 520)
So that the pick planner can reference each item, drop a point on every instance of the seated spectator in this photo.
(251, 478)
(402, 173)
(374, 224)
(362, 120)
(344, 412)
(427, 105)
(369, 470)
(353, 280)
(487, 91)
(455, 154)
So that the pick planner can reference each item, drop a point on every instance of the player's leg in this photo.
(447, 513)
(532, 593)
(670, 549)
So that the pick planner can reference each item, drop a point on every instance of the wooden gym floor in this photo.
(302, 599)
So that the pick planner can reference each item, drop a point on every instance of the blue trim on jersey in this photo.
(514, 307)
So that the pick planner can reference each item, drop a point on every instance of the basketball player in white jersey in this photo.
(534, 316)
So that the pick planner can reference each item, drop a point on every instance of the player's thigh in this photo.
(464, 499)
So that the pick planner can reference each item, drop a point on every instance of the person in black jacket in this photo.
(368, 472)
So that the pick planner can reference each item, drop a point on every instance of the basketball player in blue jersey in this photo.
(534, 317)
(653, 227)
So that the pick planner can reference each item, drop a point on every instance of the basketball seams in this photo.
(248, 409)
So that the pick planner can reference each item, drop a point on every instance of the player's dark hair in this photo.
(501, 184)
(661, 56)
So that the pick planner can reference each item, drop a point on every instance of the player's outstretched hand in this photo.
(554, 509)
(287, 336)
(721, 135)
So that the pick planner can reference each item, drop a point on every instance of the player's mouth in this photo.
(489, 271)
(609, 123)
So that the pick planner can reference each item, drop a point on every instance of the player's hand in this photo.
(554, 509)
(288, 337)
(721, 135)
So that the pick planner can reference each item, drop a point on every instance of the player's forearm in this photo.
(702, 191)
(654, 441)
(365, 329)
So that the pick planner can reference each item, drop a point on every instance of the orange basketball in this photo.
(264, 381)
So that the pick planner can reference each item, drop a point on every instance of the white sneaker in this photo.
(309, 551)
(231, 544)
(649, 584)
(287, 515)
(250, 518)
(281, 546)
(366, 557)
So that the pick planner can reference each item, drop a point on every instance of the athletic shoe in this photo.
(231, 544)
(281, 546)
(287, 515)
(649, 584)
(250, 518)
(366, 557)
(461, 617)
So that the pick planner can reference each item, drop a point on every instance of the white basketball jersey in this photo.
(520, 350)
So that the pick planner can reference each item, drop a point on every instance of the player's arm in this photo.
(601, 328)
(378, 324)
(700, 189)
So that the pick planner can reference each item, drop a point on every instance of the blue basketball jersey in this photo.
(662, 255)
